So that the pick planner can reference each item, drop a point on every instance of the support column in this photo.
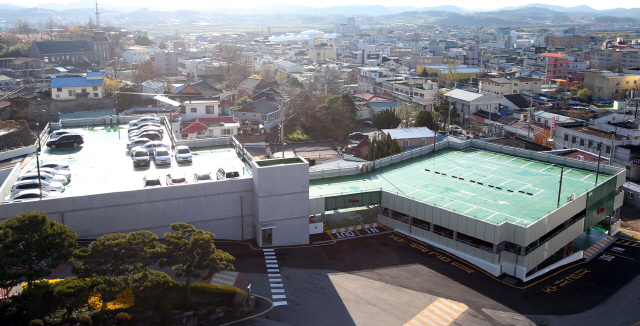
(495, 248)
(432, 227)
(522, 250)
(455, 235)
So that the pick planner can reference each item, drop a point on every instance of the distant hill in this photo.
(581, 8)
(10, 6)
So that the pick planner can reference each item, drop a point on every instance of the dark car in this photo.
(69, 140)
(367, 123)
(141, 158)
(358, 136)
(151, 135)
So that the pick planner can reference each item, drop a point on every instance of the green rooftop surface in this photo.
(102, 164)
(534, 184)
(279, 161)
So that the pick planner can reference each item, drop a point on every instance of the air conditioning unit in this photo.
(580, 158)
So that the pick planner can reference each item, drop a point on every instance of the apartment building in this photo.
(167, 62)
(496, 87)
(136, 54)
(350, 28)
(611, 85)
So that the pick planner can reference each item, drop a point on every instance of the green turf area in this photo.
(103, 164)
(528, 189)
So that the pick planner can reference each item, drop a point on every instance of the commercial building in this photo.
(136, 54)
(167, 62)
(350, 28)
(568, 41)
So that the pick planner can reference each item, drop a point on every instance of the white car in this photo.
(56, 165)
(152, 145)
(141, 133)
(35, 184)
(144, 120)
(161, 156)
(176, 178)
(137, 142)
(65, 173)
(455, 129)
(145, 128)
(58, 133)
(44, 176)
(144, 125)
(32, 194)
(183, 154)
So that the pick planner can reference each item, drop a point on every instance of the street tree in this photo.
(584, 94)
(32, 246)
(451, 71)
(147, 70)
(193, 254)
(386, 119)
(117, 255)
(295, 82)
(111, 85)
(425, 119)
(448, 112)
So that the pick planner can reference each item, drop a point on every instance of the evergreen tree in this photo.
(386, 119)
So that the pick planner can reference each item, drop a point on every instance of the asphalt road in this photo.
(386, 279)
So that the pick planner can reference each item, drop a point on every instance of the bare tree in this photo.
(452, 75)
(328, 79)
(267, 73)
(230, 63)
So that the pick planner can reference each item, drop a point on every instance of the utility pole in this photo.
(613, 133)
(598, 169)
(560, 187)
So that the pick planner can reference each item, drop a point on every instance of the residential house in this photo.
(374, 102)
(136, 54)
(251, 86)
(515, 106)
(579, 135)
(23, 67)
(287, 67)
(410, 138)
(268, 113)
(152, 87)
(412, 92)
(526, 85)
(207, 127)
(70, 88)
(65, 52)
(201, 90)
(493, 122)
(468, 103)
(605, 85)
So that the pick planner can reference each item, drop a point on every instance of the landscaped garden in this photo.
(113, 284)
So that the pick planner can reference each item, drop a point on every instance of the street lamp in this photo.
(38, 130)
(39, 180)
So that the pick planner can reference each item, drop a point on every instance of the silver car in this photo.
(161, 156)
(35, 184)
(44, 176)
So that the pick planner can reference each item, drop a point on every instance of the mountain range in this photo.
(370, 10)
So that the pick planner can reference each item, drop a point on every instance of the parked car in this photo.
(142, 120)
(137, 142)
(152, 145)
(56, 134)
(358, 136)
(56, 166)
(32, 194)
(64, 173)
(151, 181)
(161, 156)
(227, 173)
(148, 128)
(367, 123)
(455, 129)
(152, 135)
(141, 157)
(176, 178)
(44, 176)
(35, 184)
(69, 140)
(202, 177)
(183, 154)
(144, 125)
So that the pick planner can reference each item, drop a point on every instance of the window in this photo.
(608, 150)
(84, 90)
(59, 89)
(627, 82)
(194, 110)
(581, 142)
(72, 93)
(226, 131)
(599, 146)
(185, 136)
(405, 143)
(538, 119)
(210, 109)
(95, 89)
(573, 139)
(629, 195)
(423, 141)
(95, 94)
(591, 143)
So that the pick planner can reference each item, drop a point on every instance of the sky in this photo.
(469, 4)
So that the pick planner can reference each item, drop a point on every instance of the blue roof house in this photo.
(70, 88)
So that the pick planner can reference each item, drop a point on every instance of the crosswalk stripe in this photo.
(277, 290)
(223, 281)
(267, 249)
(432, 317)
(225, 276)
(273, 275)
(455, 305)
(274, 270)
(278, 296)
(272, 265)
(279, 303)
(269, 254)
(447, 310)
(427, 320)
(272, 261)
(440, 313)
(415, 322)
(275, 280)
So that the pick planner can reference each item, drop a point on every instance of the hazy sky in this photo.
(470, 4)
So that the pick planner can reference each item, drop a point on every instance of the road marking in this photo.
(278, 296)
(272, 265)
(267, 249)
(279, 303)
(271, 261)
(273, 275)
(275, 280)
(224, 278)
(276, 285)
(441, 312)
(277, 290)
(273, 270)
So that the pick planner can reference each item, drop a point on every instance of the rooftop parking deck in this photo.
(102, 164)
(484, 185)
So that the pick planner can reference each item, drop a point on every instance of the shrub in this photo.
(36, 322)
(123, 318)
(99, 317)
(164, 308)
(224, 290)
(84, 320)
